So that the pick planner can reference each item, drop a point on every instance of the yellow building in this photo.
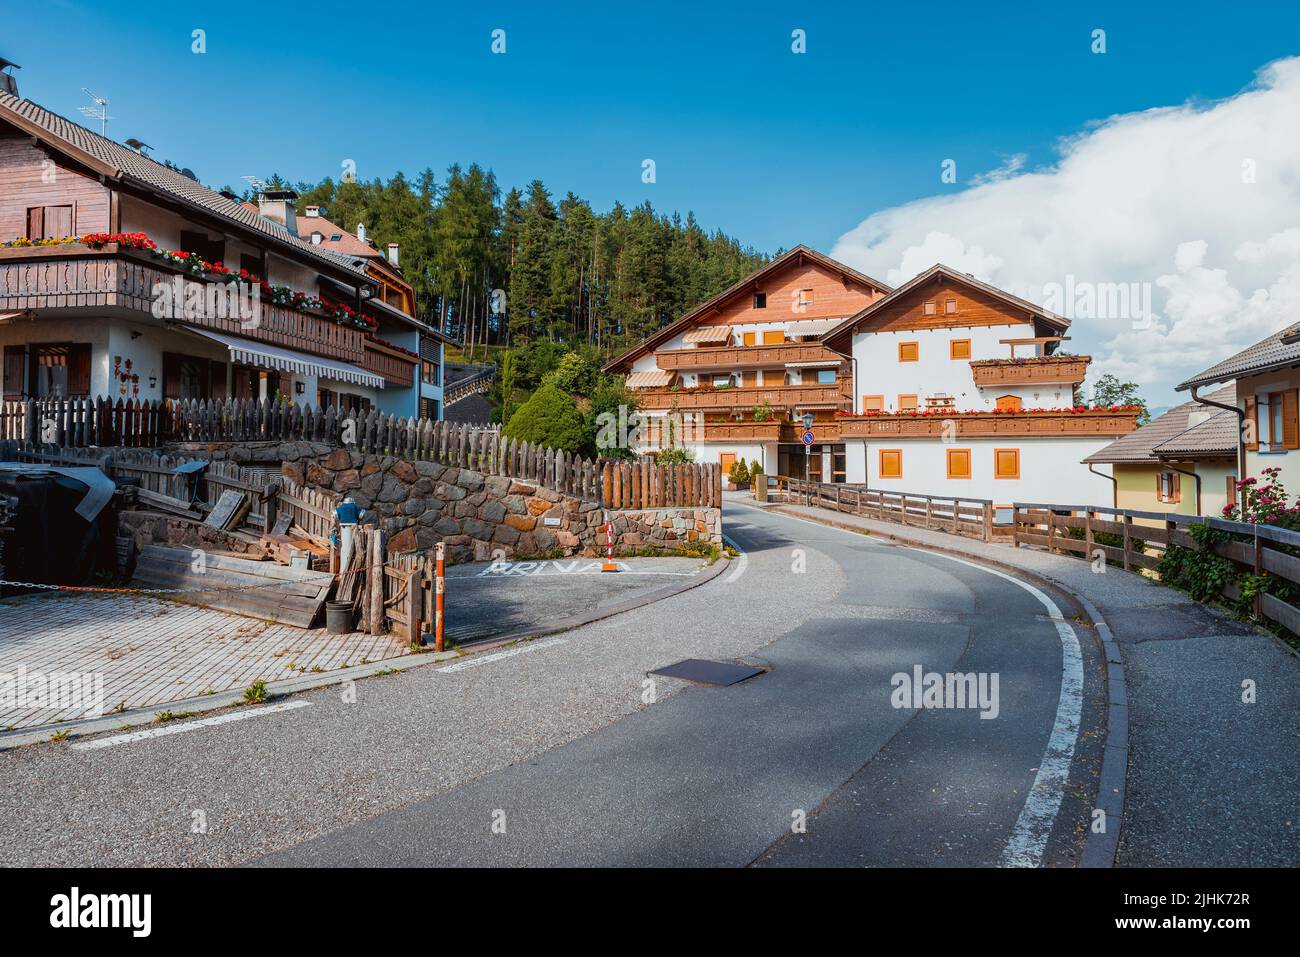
(1184, 461)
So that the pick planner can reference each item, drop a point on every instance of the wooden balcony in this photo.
(395, 366)
(1047, 370)
(988, 424)
(746, 397)
(742, 431)
(76, 277)
(744, 357)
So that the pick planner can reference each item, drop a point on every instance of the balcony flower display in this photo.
(949, 413)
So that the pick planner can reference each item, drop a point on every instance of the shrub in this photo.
(763, 412)
(739, 473)
(679, 455)
(755, 469)
(550, 419)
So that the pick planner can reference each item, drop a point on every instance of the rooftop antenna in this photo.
(254, 182)
(97, 112)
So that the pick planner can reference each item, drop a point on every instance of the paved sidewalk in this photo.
(1212, 780)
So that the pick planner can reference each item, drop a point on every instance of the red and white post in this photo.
(609, 565)
(440, 594)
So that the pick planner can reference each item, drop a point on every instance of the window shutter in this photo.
(15, 366)
(1290, 420)
(1252, 423)
(79, 369)
(171, 375)
(58, 221)
(36, 222)
(1177, 495)
(1160, 486)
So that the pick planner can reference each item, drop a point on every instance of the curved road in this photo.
(562, 753)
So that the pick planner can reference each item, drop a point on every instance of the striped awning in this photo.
(708, 334)
(811, 327)
(286, 360)
(815, 364)
(650, 379)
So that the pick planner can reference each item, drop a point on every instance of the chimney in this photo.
(277, 206)
(392, 253)
(312, 212)
(8, 82)
(361, 231)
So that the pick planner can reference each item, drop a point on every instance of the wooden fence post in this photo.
(1128, 540)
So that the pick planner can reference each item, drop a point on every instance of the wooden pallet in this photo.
(265, 590)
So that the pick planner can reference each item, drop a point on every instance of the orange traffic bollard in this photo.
(440, 594)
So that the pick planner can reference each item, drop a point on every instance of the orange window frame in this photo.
(873, 403)
(908, 402)
(749, 339)
(998, 472)
(929, 308)
(909, 351)
(958, 463)
(774, 338)
(890, 455)
(959, 349)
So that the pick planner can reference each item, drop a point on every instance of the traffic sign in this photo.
(809, 438)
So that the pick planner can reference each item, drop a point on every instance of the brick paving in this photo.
(151, 651)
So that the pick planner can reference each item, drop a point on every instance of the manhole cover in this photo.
(704, 672)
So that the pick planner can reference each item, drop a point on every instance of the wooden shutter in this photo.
(748, 338)
(79, 369)
(1160, 486)
(1290, 420)
(1006, 463)
(36, 222)
(1252, 423)
(15, 366)
(1177, 489)
(1232, 490)
(891, 463)
(773, 338)
(58, 221)
(171, 375)
(217, 374)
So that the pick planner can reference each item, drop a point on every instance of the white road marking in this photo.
(226, 718)
(498, 655)
(742, 563)
(1029, 836)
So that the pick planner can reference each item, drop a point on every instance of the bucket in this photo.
(338, 617)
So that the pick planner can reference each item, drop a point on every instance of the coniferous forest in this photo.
(510, 270)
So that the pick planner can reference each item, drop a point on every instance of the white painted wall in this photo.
(1266, 457)
(880, 373)
(1050, 469)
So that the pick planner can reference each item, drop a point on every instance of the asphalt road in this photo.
(552, 754)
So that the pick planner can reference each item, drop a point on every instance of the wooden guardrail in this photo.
(971, 517)
(1137, 539)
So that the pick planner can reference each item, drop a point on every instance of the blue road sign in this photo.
(808, 437)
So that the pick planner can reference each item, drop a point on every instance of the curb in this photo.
(287, 686)
(1099, 850)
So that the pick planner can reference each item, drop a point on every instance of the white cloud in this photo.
(1199, 202)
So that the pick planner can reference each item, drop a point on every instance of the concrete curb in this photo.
(1099, 849)
(287, 686)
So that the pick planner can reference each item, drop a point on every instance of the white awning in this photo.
(815, 364)
(708, 334)
(811, 327)
(286, 360)
(650, 379)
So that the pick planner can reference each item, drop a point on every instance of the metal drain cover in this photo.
(721, 673)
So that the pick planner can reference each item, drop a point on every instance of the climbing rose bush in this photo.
(1264, 502)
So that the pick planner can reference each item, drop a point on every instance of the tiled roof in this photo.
(1180, 431)
(347, 243)
(1270, 353)
(136, 167)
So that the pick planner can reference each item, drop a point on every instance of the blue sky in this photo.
(773, 147)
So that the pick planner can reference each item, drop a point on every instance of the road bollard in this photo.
(440, 593)
(609, 564)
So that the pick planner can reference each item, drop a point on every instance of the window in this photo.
(907, 403)
(773, 337)
(430, 372)
(873, 403)
(721, 381)
(49, 222)
(950, 307)
(959, 463)
(760, 300)
(212, 250)
(908, 352)
(1006, 463)
(1167, 488)
(749, 338)
(253, 263)
(429, 409)
(1009, 403)
(749, 379)
(59, 370)
(15, 372)
(928, 308)
(793, 377)
(805, 299)
(1281, 420)
(891, 463)
(192, 377)
(825, 376)
(959, 349)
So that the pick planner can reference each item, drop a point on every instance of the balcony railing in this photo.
(990, 424)
(996, 372)
(744, 357)
(77, 277)
(397, 368)
(742, 431)
(743, 397)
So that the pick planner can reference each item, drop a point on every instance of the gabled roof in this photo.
(798, 254)
(940, 270)
(1190, 430)
(347, 242)
(1278, 351)
(114, 161)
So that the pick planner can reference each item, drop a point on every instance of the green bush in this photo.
(550, 419)
(755, 469)
(679, 455)
(739, 473)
